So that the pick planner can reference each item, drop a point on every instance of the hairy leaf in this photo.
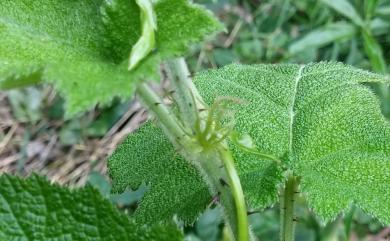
(147, 41)
(175, 185)
(83, 46)
(33, 209)
(320, 122)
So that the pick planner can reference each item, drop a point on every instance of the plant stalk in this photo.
(184, 92)
(155, 104)
(238, 196)
(217, 165)
(287, 202)
(218, 168)
(180, 68)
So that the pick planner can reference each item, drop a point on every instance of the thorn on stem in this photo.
(223, 182)
(252, 212)
(215, 199)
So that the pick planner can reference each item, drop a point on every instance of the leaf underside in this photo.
(318, 119)
(82, 47)
(34, 209)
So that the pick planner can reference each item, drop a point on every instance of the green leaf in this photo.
(383, 11)
(369, 8)
(147, 41)
(83, 46)
(34, 209)
(374, 52)
(379, 26)
(318, 120)
(320, 37)
(321, 123)
(344, 7)
(175, 185)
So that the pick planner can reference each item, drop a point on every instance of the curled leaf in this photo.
(147, 41)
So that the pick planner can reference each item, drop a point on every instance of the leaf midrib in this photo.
(291, 111)
(294, 113)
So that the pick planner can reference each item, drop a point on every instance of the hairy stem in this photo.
(287, 202)
(217, 164)
(184, 92)
(155, 104)
(179, 66)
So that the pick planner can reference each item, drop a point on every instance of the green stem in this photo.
(238, 196)
(218, 168)
(231, 197)
(160, 110)
(184, 93)
(179, 66)
(217, 164)
(287, 209)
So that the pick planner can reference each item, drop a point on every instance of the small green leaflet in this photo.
(34, 209)
(82, 47)
(318, 120)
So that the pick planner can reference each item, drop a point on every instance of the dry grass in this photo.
(43, 153)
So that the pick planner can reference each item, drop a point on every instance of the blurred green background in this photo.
(35, 137)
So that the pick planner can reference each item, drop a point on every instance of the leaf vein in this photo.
(237, 86)
(291, 109)
(300, 110)
(12, 211)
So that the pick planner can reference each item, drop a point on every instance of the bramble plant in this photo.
(278, 130)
